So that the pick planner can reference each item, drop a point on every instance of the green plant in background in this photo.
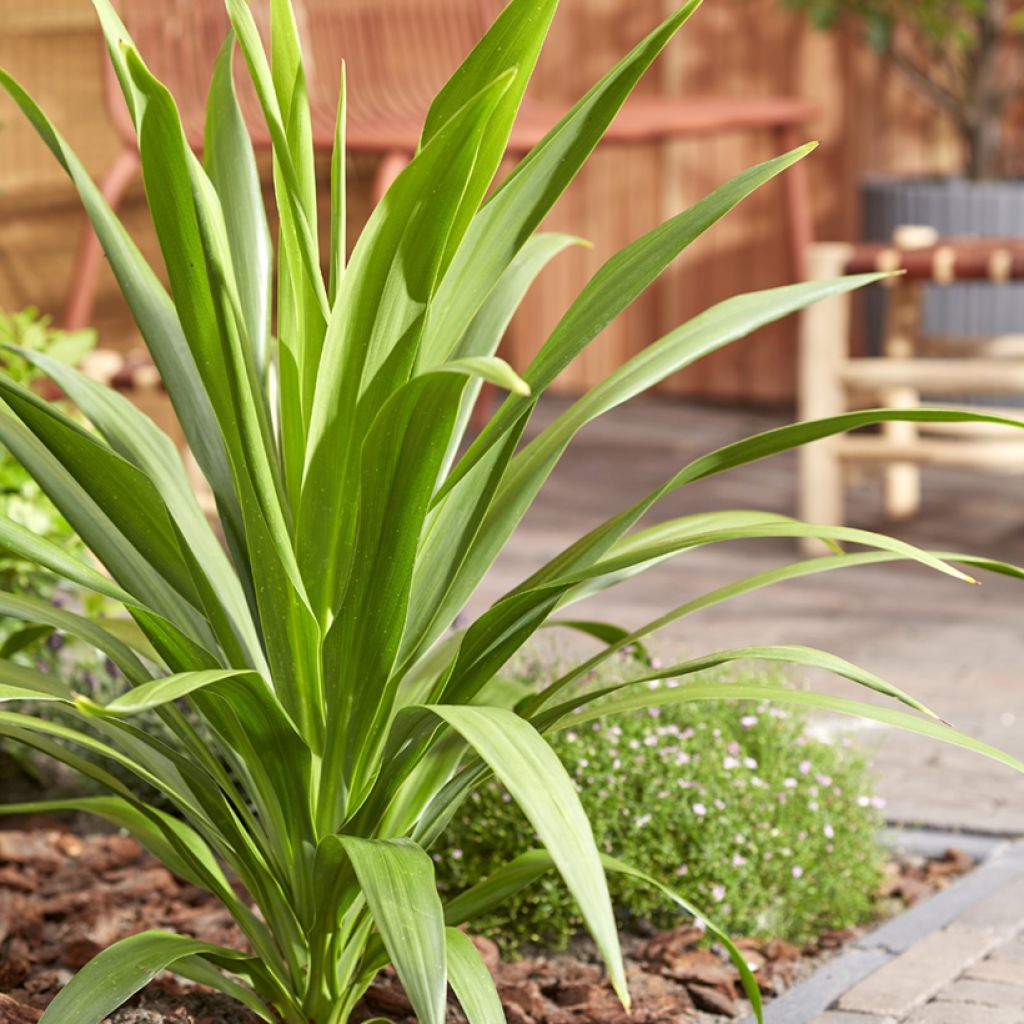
(962, 56)
(316, 645)
(21, 498)
(765, 823)
(23, 502)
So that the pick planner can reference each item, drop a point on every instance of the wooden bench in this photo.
(832, 381)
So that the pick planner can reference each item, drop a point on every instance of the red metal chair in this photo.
(398, 54)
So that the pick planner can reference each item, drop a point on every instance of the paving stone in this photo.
(960, 1013)
(1003, 909)
(987, 993)
(916, 975)
(1006, 972)
(843, 1017)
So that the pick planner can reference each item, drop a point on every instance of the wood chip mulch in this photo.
(64, 897)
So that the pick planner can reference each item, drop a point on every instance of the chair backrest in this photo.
(398, 53)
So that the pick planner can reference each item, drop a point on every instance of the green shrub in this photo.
(23, 502)
(21, 498)
(771, 825)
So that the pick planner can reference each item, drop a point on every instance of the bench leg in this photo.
(824, 337)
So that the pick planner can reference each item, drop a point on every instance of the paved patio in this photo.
(958, 648)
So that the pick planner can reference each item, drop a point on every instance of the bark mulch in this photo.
(65, 896)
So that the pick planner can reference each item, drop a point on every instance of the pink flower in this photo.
(797, 871)
(700, 810)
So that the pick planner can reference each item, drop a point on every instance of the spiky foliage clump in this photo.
(349, 722)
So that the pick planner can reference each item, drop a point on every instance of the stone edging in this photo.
(970, 912)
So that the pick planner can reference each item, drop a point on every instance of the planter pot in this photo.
(953, 206)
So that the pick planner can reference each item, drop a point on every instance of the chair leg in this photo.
(85, 275)
(390, 167)
(483, 409)
(824, 333)
(798, 206)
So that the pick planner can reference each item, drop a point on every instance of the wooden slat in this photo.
(998, 456)
(939, 376)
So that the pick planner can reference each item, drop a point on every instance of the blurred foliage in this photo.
(944, 22)
(22, 501)
(953, 53)
(20, 497)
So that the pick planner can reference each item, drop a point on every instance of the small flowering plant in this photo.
(771, 824)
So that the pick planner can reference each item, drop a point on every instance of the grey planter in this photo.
(953, 206)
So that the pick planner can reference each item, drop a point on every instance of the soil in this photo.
(64, 896)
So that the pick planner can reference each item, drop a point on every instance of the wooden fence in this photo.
(869, 121)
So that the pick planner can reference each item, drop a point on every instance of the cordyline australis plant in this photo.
(345, 719)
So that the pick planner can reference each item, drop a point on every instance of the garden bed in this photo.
(65, 895)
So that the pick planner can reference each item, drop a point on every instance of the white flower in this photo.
(718, 893)
(830, 832)
(738, 861)
(571, 736)
(748, 721)
(700, 810)
(729, 762)
(797, 871)
(789, 783)
(643, 819)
